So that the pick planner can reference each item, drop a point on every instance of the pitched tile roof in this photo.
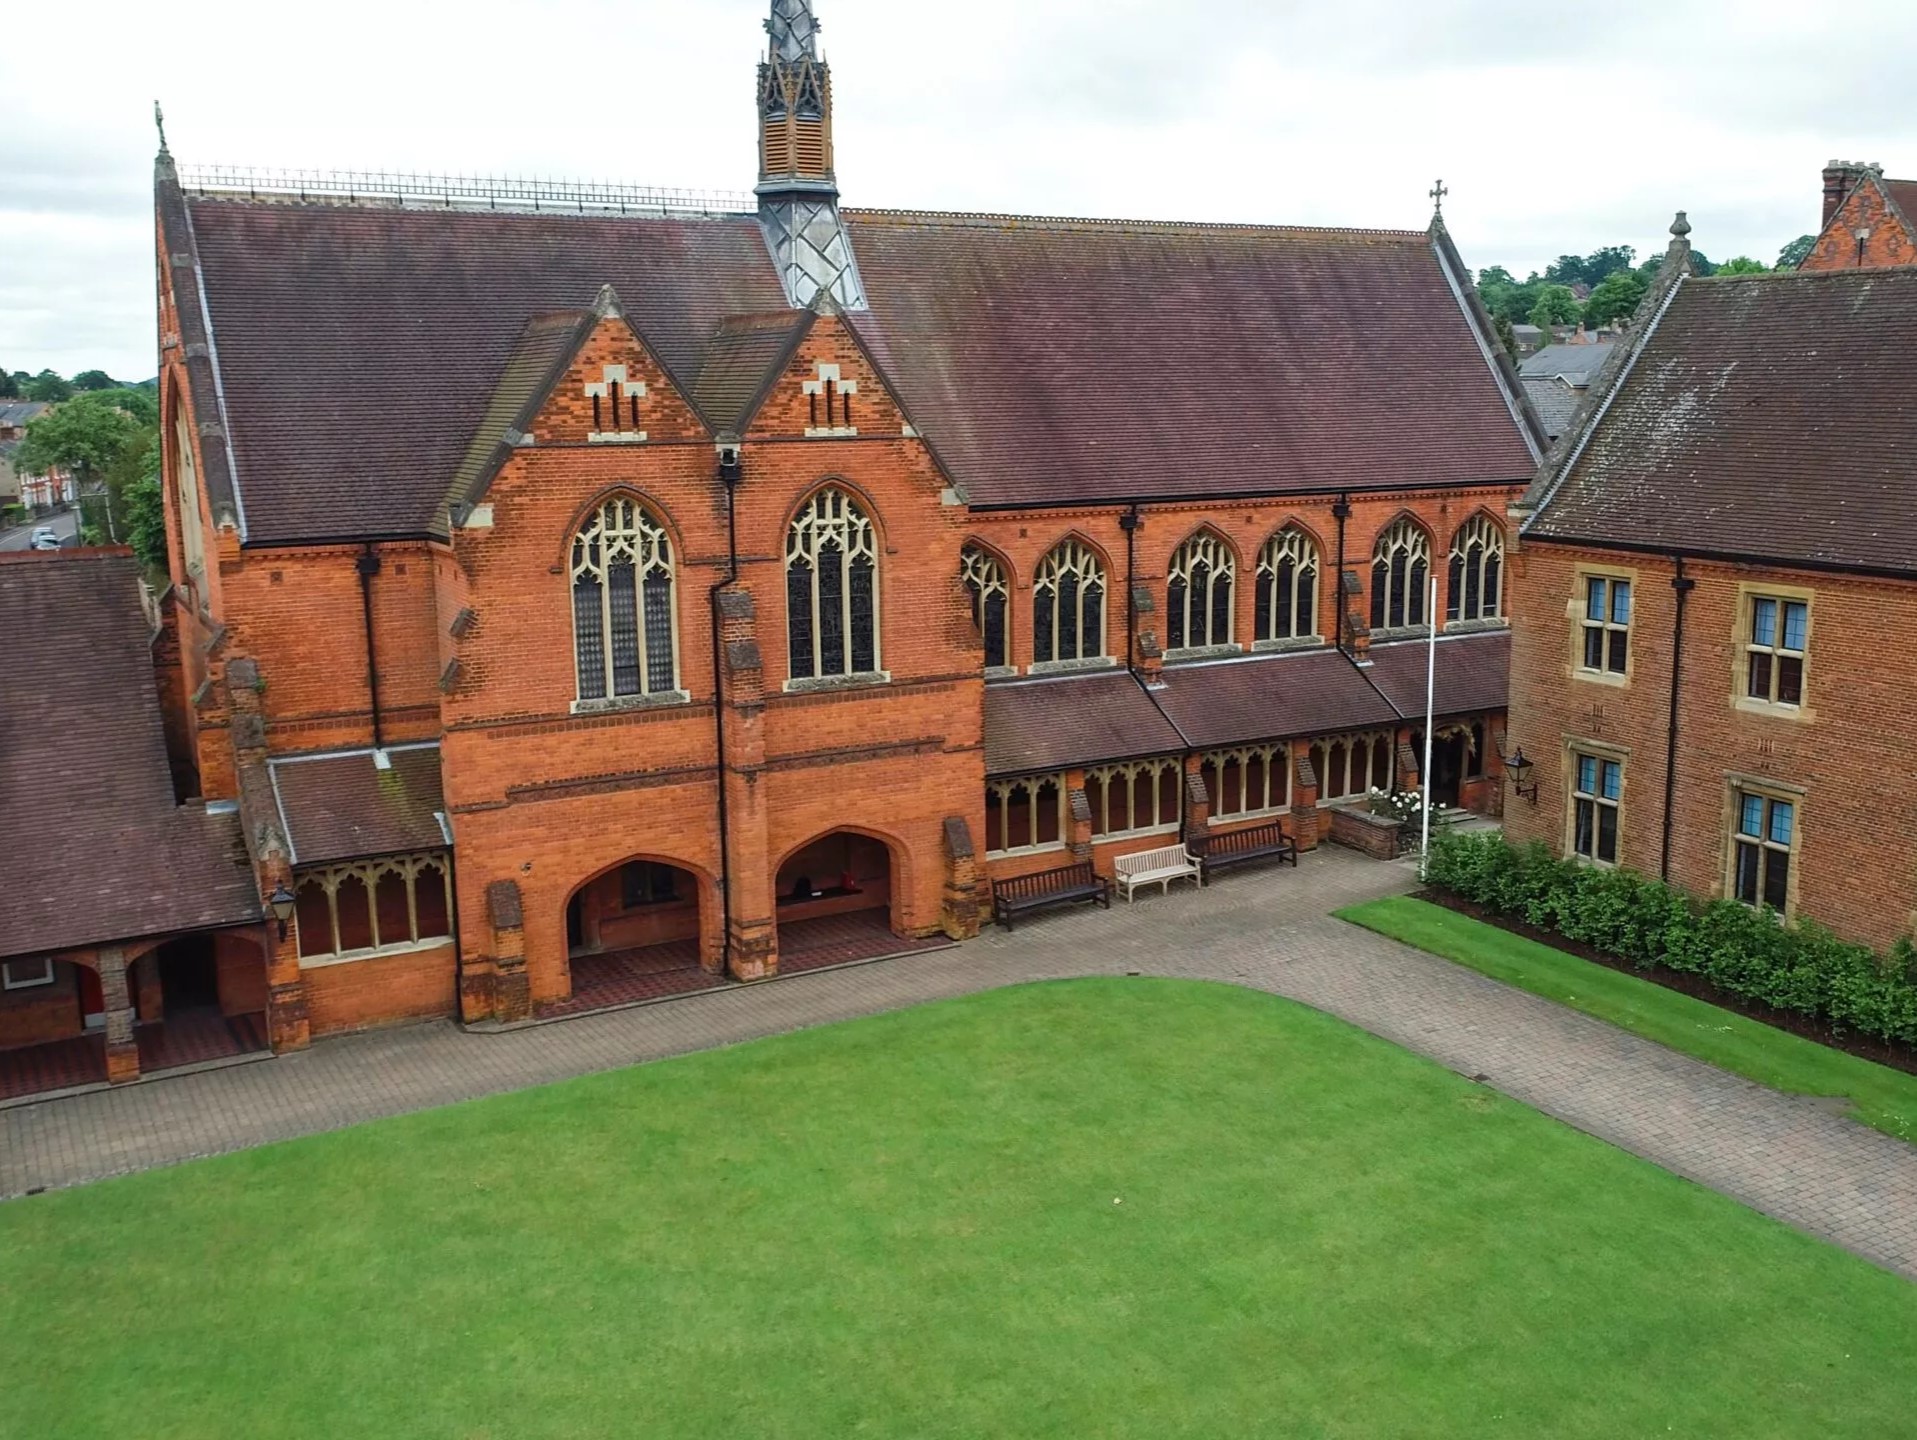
(1576, 363)
(360, 348)
(1769, 417)
(1474, 673)
(99, 851)
(1033, 726)
(545, 347)
(1232, 702)
(747, 354)
(345, 807)
(1059, 361)
(1556, 403)
(1903, 194)
(21, 412)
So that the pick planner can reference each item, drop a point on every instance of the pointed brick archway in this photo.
(844, 897)
(641, 930)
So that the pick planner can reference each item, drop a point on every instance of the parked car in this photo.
(44, 537)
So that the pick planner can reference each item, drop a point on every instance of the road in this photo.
(67, 526)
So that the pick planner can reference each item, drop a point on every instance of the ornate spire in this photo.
(159, 123)
(794, 31)
(798, 189)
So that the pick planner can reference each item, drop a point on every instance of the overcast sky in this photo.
(1557, 127)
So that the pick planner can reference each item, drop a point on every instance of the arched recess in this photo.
(842, 895)
(643, 928)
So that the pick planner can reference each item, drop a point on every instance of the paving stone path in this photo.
(1794, 1159)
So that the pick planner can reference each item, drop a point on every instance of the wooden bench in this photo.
(1157, 867)
(1067, 885)
(1247, 847)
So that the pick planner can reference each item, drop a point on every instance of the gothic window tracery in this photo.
(985, 580)
(832, 600)
(1198, 594)
(624, 635)
(1477, 571)
(1401, 577)
(1068, 605)
(1287, 601)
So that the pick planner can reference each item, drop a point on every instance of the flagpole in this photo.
(1430, 724)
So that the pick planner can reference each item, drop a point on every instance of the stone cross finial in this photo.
(159, 123)
(1438, 192)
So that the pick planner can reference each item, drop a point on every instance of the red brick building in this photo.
(586, 604)
(1709, 580)
(1867, 220)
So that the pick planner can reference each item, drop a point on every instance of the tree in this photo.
(1796, 253)
(1743, 265)
(95, 380)
(9, 386)
(49, 388)
(1556, 306)
(145, 511)
(1617, 298)
(101, 439)
(1507, 337)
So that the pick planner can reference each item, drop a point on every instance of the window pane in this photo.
(798, 618)
(1620, 651)
(660, 676)
(1175, 601)
(1220, 610)
(1760, 685)
(1306, 622)
(623, 595)
(1595, 607)
(1586, 841)
(429, 899)
(1777, 880)
(1744, 883)
(1621, 602)
(995, 652)
(589, 639)
(1454, 608)
(832, 649)
(1068, 617)
(865, 622)
(1092, 639)
(1790, 680)
(1493, 586)
(1783, 822)
(1042, 615)
(1593, 648)
(1607, 834)
(1764, 622)
(1796, 625)
(1613, 780)
(1269, 591)
(1587, 775)
(1751, 816)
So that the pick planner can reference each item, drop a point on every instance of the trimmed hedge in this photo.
(1798, 967)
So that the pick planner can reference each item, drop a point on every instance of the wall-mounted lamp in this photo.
(282, 901)
(1519, 769)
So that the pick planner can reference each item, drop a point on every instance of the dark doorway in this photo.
(1448, 760)
(189, 976)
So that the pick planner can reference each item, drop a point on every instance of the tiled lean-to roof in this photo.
(349, 807)
(1769, 417)
(97, 851)
(370, 360)
(1032, 726)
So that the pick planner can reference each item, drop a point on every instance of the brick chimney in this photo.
(1840, 178)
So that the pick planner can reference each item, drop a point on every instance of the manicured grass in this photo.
(1879, 1096)
(1113, 1208)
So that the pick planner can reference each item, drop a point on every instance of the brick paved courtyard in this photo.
(1792, 1158)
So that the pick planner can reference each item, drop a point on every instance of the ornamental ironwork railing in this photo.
(407, 190)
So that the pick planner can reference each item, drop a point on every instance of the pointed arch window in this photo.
(1068, 606)
(1287, 602)
(625, 638)
(1198, 594)
(832, 589)
(1477, 571)
(1400, 577)
(986, 582)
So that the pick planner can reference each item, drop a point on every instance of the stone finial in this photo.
(159, 123)
(1681, 227)
(607, 306)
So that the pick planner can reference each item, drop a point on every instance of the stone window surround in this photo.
(1737, 785)
(1741, 698)
(1575, 609)
(1601, 751)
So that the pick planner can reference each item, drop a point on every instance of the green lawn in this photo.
(1113, 1208)
(1879, 1096)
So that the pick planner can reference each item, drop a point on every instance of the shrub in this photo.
(1801, 968)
